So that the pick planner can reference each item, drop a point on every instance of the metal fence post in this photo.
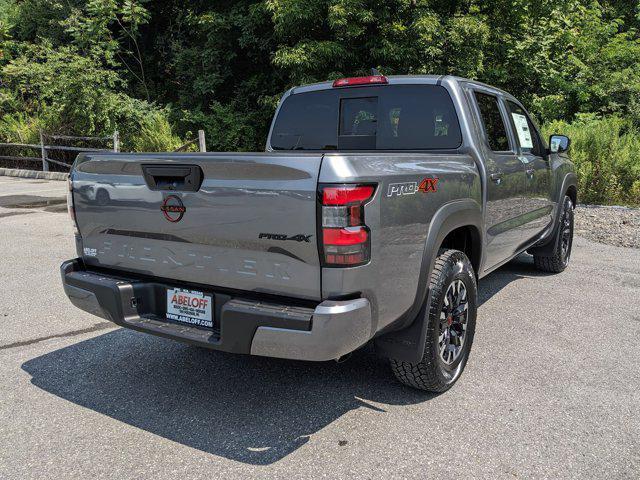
(116, 141)
(202, 141)
(43, 152)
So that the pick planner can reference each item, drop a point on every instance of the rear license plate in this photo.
(190, 306)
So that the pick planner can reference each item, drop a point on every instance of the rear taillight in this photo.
(70, 205)
(345, 236)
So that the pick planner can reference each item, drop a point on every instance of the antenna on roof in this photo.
(374, 71)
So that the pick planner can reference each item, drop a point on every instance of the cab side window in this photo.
(525, 132)
(494, 126)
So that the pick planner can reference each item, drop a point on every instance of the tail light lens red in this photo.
(345, 236)
(346, 194)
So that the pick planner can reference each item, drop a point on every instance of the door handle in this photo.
(496, 178)
(181, 178)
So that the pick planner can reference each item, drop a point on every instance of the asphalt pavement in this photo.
(552, 388)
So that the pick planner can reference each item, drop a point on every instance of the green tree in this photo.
(222, 66)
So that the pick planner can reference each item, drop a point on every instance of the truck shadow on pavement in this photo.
(249, 409)
(520, 267)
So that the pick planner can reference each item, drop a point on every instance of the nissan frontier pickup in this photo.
(377, 206)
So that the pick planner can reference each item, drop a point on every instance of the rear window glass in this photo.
(391, 117)
(496, 132)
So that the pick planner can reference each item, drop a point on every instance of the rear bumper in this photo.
(241, 325)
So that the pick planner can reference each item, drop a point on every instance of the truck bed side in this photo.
(399, 217)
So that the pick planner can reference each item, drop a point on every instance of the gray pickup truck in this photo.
(376, 207)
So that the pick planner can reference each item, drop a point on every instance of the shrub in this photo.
(229, 127)
(155, 134)
(61, 91)
(19, 128)
(606, 152)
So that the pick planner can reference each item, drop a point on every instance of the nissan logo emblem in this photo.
(173, 208)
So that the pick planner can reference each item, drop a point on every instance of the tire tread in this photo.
(554, 264)
(423, 375)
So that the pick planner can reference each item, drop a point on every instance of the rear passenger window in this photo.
(494, 127)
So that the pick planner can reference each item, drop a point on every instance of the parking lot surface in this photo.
(552, 388)
(30, 192)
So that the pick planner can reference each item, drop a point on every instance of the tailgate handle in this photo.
(183, 178)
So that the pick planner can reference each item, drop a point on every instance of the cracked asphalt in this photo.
(552, 389)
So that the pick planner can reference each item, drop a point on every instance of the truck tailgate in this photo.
(250, 226)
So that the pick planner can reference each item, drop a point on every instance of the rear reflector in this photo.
(370, 80)
(345, 237)
(346, 259)
(346, 247)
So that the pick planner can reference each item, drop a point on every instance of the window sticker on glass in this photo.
(522, 127)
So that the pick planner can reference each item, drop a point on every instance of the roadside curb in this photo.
(15, 172)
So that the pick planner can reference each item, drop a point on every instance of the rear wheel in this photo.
(102, 197)
(451, 317)
(557, 262)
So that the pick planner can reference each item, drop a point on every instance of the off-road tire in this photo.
(559, 261)
(431, 373)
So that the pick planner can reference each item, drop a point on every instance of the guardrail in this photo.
(47, 145)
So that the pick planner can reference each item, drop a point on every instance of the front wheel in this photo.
(451, 316)
(559, 260)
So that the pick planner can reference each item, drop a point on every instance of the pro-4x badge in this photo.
(411, 188)
(278, 236)
(429, 185)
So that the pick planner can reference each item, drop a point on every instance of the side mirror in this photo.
(559, 144)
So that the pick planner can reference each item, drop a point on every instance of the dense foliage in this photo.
(157, 71)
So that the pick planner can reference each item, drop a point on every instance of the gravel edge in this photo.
(611, 225)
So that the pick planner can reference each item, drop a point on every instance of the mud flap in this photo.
(550, 247)
(406, 345)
